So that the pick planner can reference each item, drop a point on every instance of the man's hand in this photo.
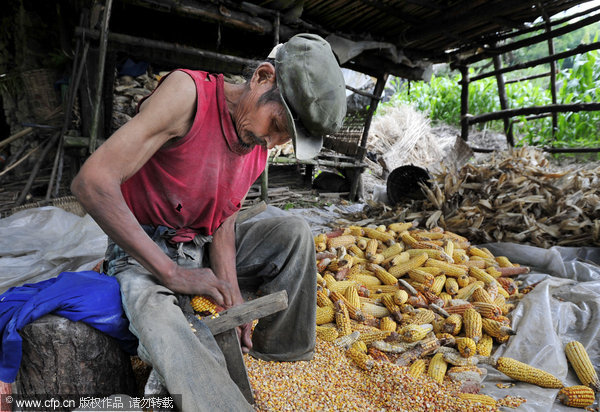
(200, 281)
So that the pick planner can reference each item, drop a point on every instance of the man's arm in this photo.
(222, 254)
(166, 115)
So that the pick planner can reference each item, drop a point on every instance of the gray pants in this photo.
(272, 254)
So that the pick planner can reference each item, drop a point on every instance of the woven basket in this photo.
(68, 203)
(41, 95)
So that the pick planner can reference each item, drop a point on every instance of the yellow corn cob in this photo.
(340, 286)
(525, 373)
(496, 329)
(463, 280)
(424, 235)
(487, 310)
(421, 316)
(474, 251)
(320, 238)
(459, 255)
(445, 297)
(448, 269)
(580, 362)
(503, 262)
(472, 324)
(437, 368)
(486, 278)
(383, 288)
(432, 253)
(382, 274)
(356, 231)
(417, 368)
(344, 240)
(481, 295)
(397, 259)
(400, 226)
(449, 249)
(400, 297)
(342, 319)
(362, 243)
(578, 396)
(413, 263)
(376, 259)
(433, 271)
(479, 398)
(421, 277)
(477, 262)
(370, 337)
(492, 271)
(325, 314)
(414, 333)
(355, 250)
(327, 334)
(352, 297)
(381, 228)
(376, 311)
(323, 300)
(438, 284)
(452, 324)
(359, 345)
(371, 249)
(451, 286)
(347, 341)
(361, 359)
(320, 280)
(321, 246)
(203, 304)
(390, 304)
(376, 234)
(408, 239)
(485, 345)
(329, 279)
(466, 346)
(353, 311)
(388, 324)
(393, 250)
(366, 280)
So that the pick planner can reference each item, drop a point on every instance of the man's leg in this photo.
(191, 367)
(278, 254)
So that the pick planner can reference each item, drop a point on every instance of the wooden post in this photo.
(100, 79)
(264, 184)
(377, 92)
(552, 68)
(503, 101)
(464, 102)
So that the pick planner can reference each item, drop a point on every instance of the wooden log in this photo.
(535, 76)
(464, 103)
(552, 69)
(61, 357)
(553, 108)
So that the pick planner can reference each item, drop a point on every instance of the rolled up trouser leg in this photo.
(191, 367)
(278, 254)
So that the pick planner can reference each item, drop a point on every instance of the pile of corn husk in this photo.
(514, 197)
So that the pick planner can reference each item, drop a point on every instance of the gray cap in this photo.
(313, 90)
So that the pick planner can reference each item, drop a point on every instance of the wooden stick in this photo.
(552, 69)
(100, 79)
(464, 103)
(577, 50)
(36, 168)
(553, 108)
(21, 160)
(535, 76)
(503, 102)
(16, 136)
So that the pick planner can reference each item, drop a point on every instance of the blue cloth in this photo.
(89, 297)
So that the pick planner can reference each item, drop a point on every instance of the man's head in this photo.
(300, 96)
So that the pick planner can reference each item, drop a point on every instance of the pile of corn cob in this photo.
(399, 294)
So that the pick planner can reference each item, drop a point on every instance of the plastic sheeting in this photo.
(37, 244)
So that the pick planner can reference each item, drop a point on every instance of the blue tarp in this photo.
(86, 296)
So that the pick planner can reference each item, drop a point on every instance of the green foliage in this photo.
(440, 98)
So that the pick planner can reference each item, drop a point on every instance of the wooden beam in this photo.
(535, 76)
(552, 69)
(532, 40)
(553, 108)
(571, 149)
(577, 50)
(362, 93)
(172, 47)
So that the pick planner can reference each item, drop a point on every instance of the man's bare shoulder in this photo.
(176, 87)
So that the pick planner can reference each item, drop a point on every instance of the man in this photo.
(166, 188)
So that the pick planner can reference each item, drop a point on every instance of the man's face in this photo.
(261, 121)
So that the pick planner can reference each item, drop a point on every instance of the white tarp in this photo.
(37, 244)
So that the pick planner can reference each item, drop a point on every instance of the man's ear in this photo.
(264, 74)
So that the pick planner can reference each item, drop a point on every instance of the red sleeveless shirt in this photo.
(195, 184)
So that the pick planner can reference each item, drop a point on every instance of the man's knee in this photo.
(294, 230)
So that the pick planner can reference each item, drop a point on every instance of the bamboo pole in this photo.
(464, 102)
(535, 76)
(100, 79)
(21, 160)
(503, 102)
(576, 107)
(36, 168)
(16, 136)
(552, 69)
(577, 50)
